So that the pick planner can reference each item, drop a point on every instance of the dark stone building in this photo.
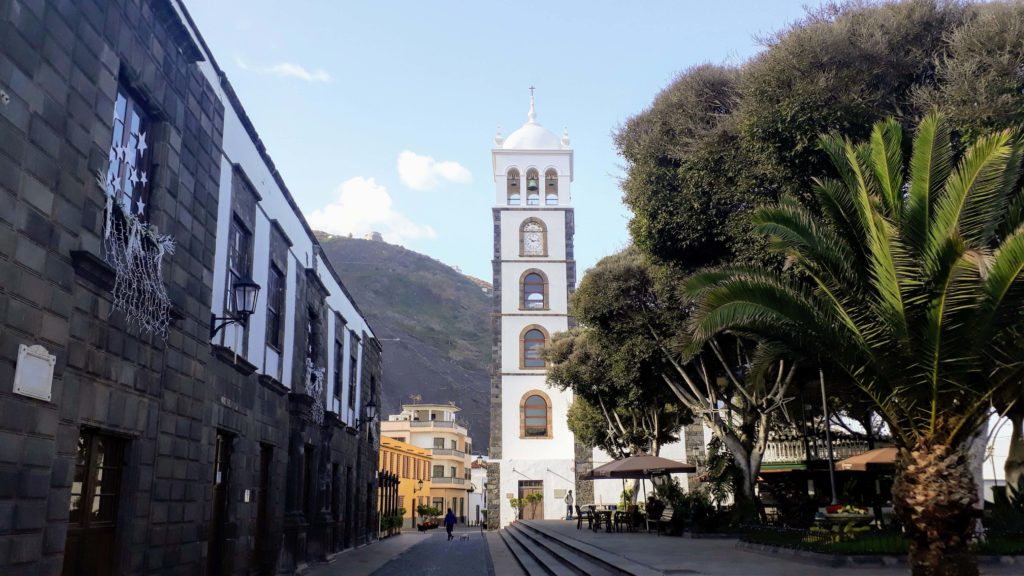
(155, 447)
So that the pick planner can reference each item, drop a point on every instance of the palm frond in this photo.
(967, 199)
(1003, 286)
(887, 162)
(930, 164)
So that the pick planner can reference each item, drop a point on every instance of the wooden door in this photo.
(92, 518)
(219, 516)
(531, 511)
(262, 552)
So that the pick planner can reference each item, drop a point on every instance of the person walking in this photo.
(568, 505)
(449, 523)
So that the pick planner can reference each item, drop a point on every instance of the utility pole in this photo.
(828, 437)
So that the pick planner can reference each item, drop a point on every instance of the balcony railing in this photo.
(447, 452)
(447, 480)
(438, 424)
(795, 450)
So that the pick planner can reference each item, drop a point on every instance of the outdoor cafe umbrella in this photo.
(879, 458)
(638, 467)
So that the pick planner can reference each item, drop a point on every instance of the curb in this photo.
(858, 560)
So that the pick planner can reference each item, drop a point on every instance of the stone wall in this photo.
(166, 401)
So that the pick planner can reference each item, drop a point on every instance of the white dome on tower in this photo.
(532, 136)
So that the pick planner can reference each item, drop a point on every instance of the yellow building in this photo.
(433, 427)
(412, 466)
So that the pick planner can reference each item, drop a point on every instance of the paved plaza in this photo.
(485, 554)
(718, 556)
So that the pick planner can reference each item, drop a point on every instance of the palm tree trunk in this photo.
(934, 496)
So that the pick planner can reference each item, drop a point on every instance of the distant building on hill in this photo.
(374, 236)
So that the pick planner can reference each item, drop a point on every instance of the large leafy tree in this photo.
(619, 404)
(720, 141)
(735, 386)
(915, 292)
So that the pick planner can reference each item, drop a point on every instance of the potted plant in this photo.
(516, 504)
(533, 499)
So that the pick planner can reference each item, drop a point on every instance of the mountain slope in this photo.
(440, 317)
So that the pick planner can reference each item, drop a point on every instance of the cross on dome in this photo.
(531, 135)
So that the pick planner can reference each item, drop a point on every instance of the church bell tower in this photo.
(532, 449)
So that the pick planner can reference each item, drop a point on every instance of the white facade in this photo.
(277, 208)
(478, 497)
(534, 218)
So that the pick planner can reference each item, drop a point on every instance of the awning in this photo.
(637, 467)
(879, 458)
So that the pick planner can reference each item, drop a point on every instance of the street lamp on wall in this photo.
(369, 414)
(244, 295)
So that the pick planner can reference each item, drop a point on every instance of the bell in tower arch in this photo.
(531, 184)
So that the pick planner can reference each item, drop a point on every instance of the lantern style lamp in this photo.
(244, 295)
(369, 414)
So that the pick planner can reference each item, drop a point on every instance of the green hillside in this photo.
(440, 316)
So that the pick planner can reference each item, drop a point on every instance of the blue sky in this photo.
(340, 92)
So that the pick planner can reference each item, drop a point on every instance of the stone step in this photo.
(536, 561)
(579, 563)
(615, 563)
(526, 561)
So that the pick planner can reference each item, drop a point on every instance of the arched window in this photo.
(512, 187)
(551, 187)
(533, 347)
(532, 187)
(533, 238)
(534, 291)
(535, 416)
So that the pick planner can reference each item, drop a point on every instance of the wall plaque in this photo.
(34, 375)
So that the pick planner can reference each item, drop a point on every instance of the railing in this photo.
(447, 452)
(795, 450)
(437, 424)
(447, 480)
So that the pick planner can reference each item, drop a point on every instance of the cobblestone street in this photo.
(430, 555)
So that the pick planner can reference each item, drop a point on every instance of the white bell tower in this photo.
(534, 273)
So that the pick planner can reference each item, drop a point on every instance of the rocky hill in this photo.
(440, 317)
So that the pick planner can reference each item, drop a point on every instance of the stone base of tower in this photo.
(584, 465)
(494, 495)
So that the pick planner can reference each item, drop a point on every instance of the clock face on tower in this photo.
(533, 239)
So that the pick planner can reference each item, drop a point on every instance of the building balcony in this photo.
(438, 424)
(440, 481)
(797, 452)
(459, 454)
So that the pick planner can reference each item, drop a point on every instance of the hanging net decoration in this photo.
(131, 246)
(315, 388)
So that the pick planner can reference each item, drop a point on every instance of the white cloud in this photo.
(424, 173)
(364, 206)
(287, 70)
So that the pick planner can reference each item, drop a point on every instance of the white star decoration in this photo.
(133, 176)
(142, 144)
(143, 179)
(142, 206)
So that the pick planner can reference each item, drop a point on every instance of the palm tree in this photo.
(912, 287)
